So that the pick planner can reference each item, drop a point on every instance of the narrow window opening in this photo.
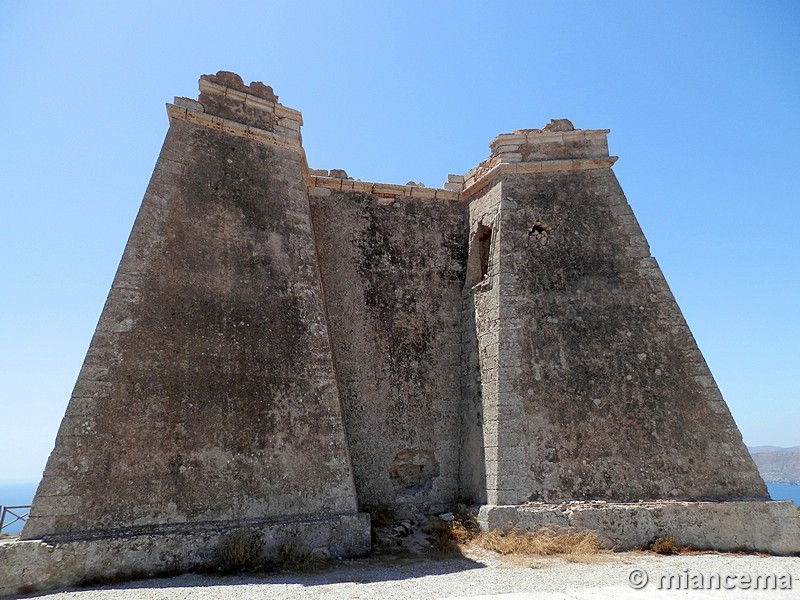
(480, 255)
(484, 237)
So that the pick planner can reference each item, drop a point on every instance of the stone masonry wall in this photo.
(35, 565)
(392, 271)
(609, 397)
(771, 527)
(480, 368)
(208, 392)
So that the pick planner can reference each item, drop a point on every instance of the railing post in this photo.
(9, 510)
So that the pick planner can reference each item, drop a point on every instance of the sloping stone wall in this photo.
(611, 398)
(392, 270)
(208, 392)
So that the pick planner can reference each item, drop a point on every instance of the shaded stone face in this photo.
(412, 471)
(392, 275)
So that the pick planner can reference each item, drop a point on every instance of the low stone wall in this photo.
(771, 527)
(36, 565)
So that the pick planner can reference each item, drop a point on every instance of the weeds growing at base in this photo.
(464, 533)
(542, 542)
(242, 551)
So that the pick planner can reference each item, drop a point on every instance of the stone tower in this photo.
(592, 386)
(208, 392)
(284, 348)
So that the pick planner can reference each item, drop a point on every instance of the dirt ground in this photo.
(481, 574)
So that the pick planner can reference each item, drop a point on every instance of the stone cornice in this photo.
(384, 190)
(197, 117)
(471, 187)
(476, 183)
(538, 136)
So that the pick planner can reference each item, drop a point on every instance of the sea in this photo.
(782, 491)
(21, 494)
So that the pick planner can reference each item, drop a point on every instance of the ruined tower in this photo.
(592, 386)
(283, 348)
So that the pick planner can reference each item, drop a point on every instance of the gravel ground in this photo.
(482, 575)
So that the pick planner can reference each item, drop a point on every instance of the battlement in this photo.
(252, 111)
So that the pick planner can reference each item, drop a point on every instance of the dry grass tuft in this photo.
(463, 533)
(664, 545)
(293, 556)
(451, 536)
(543, 542)
(240, 551)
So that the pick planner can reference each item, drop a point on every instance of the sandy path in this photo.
(485, 576)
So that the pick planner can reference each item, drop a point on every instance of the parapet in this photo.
(557, 146)
(557, 140)
(250, 111)
(226, 104)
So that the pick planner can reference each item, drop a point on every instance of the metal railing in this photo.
(13, 514)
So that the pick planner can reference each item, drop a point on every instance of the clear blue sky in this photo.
(702, 99)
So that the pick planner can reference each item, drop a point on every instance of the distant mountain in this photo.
(777, 465)
(759, 449)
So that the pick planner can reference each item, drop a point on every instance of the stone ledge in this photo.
(232, 127)
(382, 189)
(756, 526)
(473, 184)
(37, 565)
(476, 183)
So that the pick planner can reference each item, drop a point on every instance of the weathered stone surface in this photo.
(225, 95)
(559, 125)
(233, 81)
(36, 565)
(392, 279)
(339, 174)
(605, 393)
(221, 400)
(286, 345)
(771, 527)
(480, 325)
